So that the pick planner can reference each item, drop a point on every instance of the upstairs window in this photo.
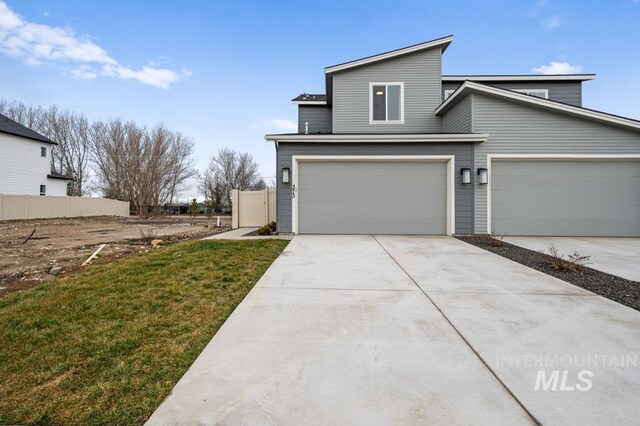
(386, 103)
(43, 189)
(541, 93)
(43, 151)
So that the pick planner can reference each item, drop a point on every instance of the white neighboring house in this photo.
(25, 162)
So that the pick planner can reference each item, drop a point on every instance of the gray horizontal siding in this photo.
(521, 129)
(420, 73)
(568, 92)
(458, 119)
(463, 158)
(318, 117)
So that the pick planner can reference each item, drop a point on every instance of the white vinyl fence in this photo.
(253, 208)
(39, 207)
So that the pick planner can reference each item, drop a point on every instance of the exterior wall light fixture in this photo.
(483, 176)
(466, 175)
(286, 175)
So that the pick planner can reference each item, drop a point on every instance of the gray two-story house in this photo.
(395, 147)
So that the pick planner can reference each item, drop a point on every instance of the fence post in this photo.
(265, 194)
(26, 206)
(235, 209)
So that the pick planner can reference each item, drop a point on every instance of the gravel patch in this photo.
(618, 289)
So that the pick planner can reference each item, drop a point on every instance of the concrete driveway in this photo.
(411, 330)
(615, 256)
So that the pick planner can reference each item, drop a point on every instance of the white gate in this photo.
(253, 208)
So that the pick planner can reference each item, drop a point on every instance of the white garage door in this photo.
(566, 198)
(359, 197)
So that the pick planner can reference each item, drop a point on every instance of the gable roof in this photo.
(442, 42)
(519, 77)
(560, 107)
(14, 128)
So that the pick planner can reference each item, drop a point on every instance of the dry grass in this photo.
(107, 345)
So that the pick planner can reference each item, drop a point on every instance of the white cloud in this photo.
(276, 124)
(553, 22)
(559, 68)
(35, 44)
(84, 72)
(279, 124)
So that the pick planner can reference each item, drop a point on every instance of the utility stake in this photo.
(86, 262)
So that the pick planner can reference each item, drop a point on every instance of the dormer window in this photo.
(386, 103)
(541, 93)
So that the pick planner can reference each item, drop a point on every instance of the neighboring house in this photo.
(25, 162)
(394, 147)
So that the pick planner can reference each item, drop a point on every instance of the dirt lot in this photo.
(67, 243)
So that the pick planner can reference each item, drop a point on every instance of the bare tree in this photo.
(230, 170)
(147, 167)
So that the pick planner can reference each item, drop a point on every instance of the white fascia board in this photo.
(521, 78)
(533, 100)
(389, 55)
(309, 102)
(364, 138)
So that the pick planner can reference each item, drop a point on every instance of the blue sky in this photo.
(223, 72)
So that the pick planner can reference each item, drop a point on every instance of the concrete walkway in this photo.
(615, 256)
(408, 330)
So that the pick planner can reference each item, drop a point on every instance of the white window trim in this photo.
(560, 157)
(43, 193)
(389, 83)
(526, 92)
(448, 93)
(448, 159)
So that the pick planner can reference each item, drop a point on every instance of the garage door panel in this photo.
(428, 211)
(560, 182)
(560, 226)
(364, 182)
(372, 197)
(572, 198)
(362, 196)
(579, 197)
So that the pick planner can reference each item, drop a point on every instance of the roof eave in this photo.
(378, 138)
(309, 102)
(443, 43)
(61, 177)
(43, 140)
(553, 77)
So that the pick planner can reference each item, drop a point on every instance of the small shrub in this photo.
(492, 239)
(268, 229)
(194, 208)
(495, 239)
(571, 263)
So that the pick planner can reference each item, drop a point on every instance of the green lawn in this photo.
(106, 346)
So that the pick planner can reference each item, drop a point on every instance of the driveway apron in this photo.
(405, 330)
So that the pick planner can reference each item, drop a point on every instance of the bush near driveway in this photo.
(107, 345)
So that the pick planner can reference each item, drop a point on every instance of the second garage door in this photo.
(360, 197)
(566, 198)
